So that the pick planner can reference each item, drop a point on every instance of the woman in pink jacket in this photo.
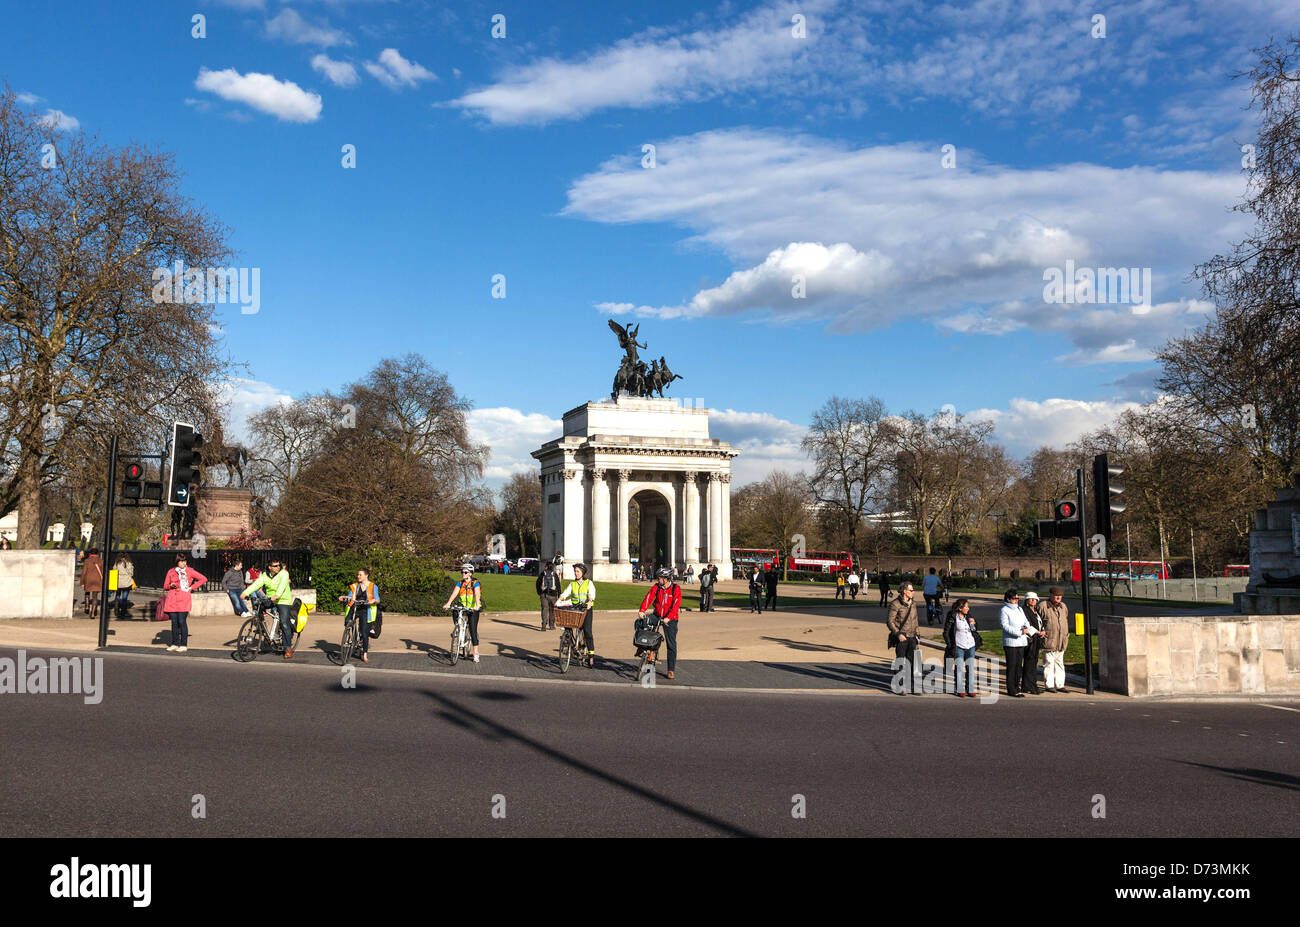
(180, 580)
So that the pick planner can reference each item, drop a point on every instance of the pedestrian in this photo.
(5, 545)
(841, 586)
(1029, 669)
(960, 639)
(854, 583)
(665, 601)
(1056, 637)
(930, 588)
(232, 581)
(903, 634)
(181, 579)
(708, 577)
(92, 578)
(884, 588)
(579, 594)
(548, 590)
(125, 583)
(1015, 638)
(770, 578)
(755, 590)
(690, 573)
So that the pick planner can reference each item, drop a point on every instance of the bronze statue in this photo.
(633, 377)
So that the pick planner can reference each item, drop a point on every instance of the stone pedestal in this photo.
(222, 512)
(1275, 552)
(655, 452)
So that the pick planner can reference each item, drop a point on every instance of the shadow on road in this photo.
(1256, 776)
(868, 676)
(805, 645)
(455, 713)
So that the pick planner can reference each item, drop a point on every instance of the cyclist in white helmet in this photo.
(471, 597)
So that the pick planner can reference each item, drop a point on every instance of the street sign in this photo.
(1047, 528)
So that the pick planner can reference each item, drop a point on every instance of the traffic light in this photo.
(132, 483)
(184, 472)
(1065, 510)
(1104, 493)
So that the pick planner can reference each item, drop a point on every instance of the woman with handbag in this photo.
(181, 579)
(961, 640)
(125, 583)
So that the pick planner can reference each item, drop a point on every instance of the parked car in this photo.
(528, 565)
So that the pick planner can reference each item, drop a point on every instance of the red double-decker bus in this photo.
(751, 556)
(1237, 569)
(1122, 569)
(823, 561)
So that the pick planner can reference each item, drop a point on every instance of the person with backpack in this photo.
(664, 600)
(548, 590)
(363, 595)
(470, 593)
(770, 579)
(280, 591)
(884, 588)
(960, 640)
(125, 583)
(708, 578)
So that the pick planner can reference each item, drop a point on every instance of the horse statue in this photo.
(661, 376)
(232, 457)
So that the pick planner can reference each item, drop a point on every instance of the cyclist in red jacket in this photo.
(665, 600)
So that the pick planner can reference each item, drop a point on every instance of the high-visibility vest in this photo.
(467, 598)
(370, 597)
(580, 592)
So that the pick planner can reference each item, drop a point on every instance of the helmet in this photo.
(663, 573)
(581, 566)
(467, 566)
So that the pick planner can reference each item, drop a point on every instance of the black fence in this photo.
(151, 566)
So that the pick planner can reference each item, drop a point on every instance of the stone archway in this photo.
(656, 527)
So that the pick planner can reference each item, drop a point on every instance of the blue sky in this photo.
(776, 156)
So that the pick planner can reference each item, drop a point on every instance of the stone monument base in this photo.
(222, 513)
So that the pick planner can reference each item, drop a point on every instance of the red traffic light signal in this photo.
(134, 471)
(1065, 510)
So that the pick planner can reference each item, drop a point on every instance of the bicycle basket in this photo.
(646, 636)
(569, 617)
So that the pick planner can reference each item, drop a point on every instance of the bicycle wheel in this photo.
(349, 643)
(567, 646)
(249, 642)
(457, 638)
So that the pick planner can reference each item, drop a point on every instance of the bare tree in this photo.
(521, 511)
(86, 347)
(932, 459)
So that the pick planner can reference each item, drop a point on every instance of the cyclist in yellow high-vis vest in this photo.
(470, 596)
(581, 593)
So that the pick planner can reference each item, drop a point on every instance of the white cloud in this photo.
(338, 73)
(27, 99)
(513, 436)
(766, 443)
(60, 121)
(291, 27)
(395, 72)
(885, 233)
(1026, 424)
(246, 398)
(280, 98)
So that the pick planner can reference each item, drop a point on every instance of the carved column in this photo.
(620, 555)
(599, 516)
(691, 512)
(715, 519)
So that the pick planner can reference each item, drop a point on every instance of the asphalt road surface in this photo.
(280, 750)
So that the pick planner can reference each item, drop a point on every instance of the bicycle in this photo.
(255, 638)
(460, 642)
(352, 632)
(571, 619)
(647, 639)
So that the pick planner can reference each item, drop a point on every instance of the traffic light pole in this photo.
(110, 502)
(1083, 578)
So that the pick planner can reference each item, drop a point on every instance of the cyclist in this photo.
(276, 583)
(581, 593)
(471, 598)
(362, 595)
(665, 601)
(930, 588)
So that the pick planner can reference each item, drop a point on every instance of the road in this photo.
(280, 750)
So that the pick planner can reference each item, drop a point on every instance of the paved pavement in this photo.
(274, 750)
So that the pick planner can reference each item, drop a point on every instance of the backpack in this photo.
(377, 625)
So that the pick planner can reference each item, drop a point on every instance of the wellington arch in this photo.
(655, 451)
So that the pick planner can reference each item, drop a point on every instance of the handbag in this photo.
(159, 614)
(979, 639)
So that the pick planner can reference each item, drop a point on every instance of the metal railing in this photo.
(151, 566)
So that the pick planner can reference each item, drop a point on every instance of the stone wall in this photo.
(1200, 654)
(37, 583)
(202, 604)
